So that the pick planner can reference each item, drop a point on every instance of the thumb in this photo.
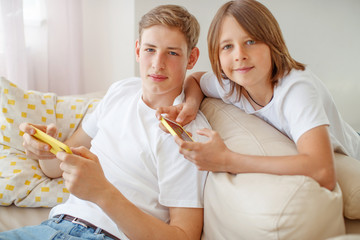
(184, 118)
(181, 117)
(51, 130)
(204, 132)
(84, 152)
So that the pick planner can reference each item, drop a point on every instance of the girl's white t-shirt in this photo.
(300, 102)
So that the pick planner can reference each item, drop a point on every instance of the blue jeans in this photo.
(53, 229)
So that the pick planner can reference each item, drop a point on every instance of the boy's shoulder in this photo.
(122, 89)
(124, 85)
(127, 82)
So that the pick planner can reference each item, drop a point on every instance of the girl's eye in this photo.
(250, 42)
(149, 50)
(228, 46)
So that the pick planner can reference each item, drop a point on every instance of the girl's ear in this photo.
(137, 50)
(194, 56)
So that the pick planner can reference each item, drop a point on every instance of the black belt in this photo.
(86, 225)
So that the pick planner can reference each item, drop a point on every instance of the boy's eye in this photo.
(250, 42)
(149, 50)
(173, 53)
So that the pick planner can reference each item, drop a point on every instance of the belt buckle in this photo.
(80, 223)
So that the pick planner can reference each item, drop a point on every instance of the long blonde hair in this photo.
(262, 26)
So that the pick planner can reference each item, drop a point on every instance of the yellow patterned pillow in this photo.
(21, 180)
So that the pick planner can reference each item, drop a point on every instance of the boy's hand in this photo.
(83, 174)
(182, 113)
(34, 148)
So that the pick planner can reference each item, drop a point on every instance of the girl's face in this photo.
(243, 60)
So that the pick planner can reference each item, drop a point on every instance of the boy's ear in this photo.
(194, 56)
(137, 50)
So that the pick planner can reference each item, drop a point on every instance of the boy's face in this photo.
(163, 59)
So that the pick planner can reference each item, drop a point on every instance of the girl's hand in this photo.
(207, 156)
(83, 174)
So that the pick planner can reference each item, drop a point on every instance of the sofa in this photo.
(237, 206)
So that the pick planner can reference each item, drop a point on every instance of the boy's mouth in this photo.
(157, 77)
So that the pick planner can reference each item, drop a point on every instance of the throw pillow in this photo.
(21, 180)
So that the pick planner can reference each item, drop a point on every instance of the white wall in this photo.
(324, 34)
(108, 37)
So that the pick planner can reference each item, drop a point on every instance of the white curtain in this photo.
(41, 44)
(13, 57)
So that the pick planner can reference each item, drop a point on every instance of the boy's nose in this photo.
(159, 62)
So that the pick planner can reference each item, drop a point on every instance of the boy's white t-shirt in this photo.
(137, 157)
(300, 102)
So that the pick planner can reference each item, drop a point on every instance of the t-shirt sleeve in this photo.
(209, 85)
(303, 109)
(90, 122)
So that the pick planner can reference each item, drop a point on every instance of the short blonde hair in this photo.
(173, 16)
(262, 26)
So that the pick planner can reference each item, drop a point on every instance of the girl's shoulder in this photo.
(298, 77)
(298, 85)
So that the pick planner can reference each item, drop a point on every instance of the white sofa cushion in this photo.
(264, 206)
(348, 176)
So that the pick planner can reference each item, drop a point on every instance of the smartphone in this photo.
(176, 129)
(55, 144)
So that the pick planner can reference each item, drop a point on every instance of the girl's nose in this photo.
(240, 53)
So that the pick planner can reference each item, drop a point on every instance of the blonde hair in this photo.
(173, 16)
(262, 26)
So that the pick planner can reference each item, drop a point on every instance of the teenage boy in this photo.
(133, 183)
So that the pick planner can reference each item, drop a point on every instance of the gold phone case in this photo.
(176, 129)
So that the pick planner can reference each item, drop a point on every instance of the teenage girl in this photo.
(253, 70)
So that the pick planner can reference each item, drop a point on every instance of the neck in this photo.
(259, 100)
(155, 101)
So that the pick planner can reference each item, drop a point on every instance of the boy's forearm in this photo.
(130, 219)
